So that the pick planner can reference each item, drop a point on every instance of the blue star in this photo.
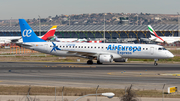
(55, 47)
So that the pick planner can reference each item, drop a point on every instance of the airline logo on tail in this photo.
(154, 33)
(27, 33)
(50, 33)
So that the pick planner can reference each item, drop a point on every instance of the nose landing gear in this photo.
(155, 62)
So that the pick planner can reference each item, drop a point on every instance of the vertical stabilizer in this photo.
(27, 33)
(50, 33)
(153, 33)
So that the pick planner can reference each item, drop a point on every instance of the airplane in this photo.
(102, 52)
(161, 39)
(18, 39)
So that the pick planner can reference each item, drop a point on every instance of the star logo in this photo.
(55, 47)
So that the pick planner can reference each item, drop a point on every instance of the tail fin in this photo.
(50, 33)
(27, 33)
(154, 33)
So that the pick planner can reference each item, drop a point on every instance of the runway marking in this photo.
(69, 66)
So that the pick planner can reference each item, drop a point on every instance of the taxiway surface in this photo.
(115, 75)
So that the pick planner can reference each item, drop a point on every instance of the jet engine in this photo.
(105, 58)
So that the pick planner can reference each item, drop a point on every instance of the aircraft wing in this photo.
(83, 53)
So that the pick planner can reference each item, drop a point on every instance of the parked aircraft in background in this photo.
(102, 52)
(161, 39)
(18, 39)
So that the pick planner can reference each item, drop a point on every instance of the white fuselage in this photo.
(166, 39)
(146, 51)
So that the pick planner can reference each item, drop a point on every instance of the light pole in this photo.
(69, 20)
(178, 24)
(104, 28)
(109, 95)
(39, 25)
(137, 19)
(10, 21)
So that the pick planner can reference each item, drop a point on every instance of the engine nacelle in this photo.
(105, 58)
(121, 60)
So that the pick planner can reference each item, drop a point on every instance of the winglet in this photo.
(27, 33)
(50, 33)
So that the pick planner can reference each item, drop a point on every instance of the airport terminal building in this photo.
(112, 32)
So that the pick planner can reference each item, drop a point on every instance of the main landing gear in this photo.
(89, 62)
(98, 62)
(155, 62)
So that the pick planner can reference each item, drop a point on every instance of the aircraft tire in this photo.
(98, 62)
(89, 62)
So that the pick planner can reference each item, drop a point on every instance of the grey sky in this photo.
(29, 9)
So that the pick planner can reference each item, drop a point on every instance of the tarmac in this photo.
(114, 75)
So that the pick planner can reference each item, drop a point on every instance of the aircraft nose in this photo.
(170, 55)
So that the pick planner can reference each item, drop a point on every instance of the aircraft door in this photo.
(152, 50)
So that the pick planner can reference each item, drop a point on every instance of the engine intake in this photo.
(105, 58)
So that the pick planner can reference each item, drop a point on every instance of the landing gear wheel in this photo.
(155, 64)
(155, 60)
(98, 62)
(89, 62)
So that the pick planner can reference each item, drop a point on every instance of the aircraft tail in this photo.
(50, 33)
(27, 33)
(153, 33)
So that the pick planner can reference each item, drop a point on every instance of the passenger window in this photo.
(88, 46)
(102, 47)
(60, 46)
(81, 46)
(69, 46)
(91, 46)
(84, 46)
(98, 47)
(106, 47)
(94, 47)
(63, 46)
(76, 46)
(146, 48)
(66, 46)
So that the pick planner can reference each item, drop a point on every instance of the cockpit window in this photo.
(162, 48)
